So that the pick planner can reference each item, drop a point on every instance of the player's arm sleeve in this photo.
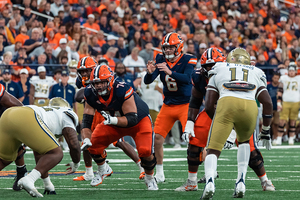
(186, 76)
(149, 78)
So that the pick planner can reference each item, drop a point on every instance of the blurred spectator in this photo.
(92, 7)
(33, 42)
(62, 46)
(74, 54)
(10, 86)
(25, 85)
(233, 10)
(91, 24)
(136, 41)
(94, 47)
(6, 62)
(214, 22)
(56, 6)
(28, 17)
(47, 12)
(122, 76)
(73, 73)
(115, 29)
(122, 50)
(111, 42)
(49, 53)
(147, 53)
(12, 48)
(62, 53)
(100, 37)
(136, 27)
(39, 87)
(19, 66)
(8, 35)
(2, 47)
(71, 16)
(39, 50)
(41, 60)
(51, 40)
(109, 56)
(83, 50)
(64, 90)
(22, 36)
(104, 25)
(62, 34)
(133, 61)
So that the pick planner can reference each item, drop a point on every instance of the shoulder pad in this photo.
(70, 113)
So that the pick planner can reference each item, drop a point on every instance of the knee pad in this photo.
(148, 165)
(21, 150)
(256, 160)
(99, 158)
(194, 156)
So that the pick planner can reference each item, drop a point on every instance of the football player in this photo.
(84, 69)
(236, 84)
(38, 131)
(198, 124)
(125, 114)
(288, 103)
(175, 69)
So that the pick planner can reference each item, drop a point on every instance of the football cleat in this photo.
(188, 186)
(84, 178)
(159, 178)
(209, 190)
(267, 186)
(100, 175)
(86, 143)
(203, 179)
(142, 175)
(28, 185)
(151, 184)
(21, 172)
(49, 189)
(240, 189)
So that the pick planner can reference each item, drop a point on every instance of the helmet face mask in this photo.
(170, 41)
(102, 80)
(84, 68)
(101, 87)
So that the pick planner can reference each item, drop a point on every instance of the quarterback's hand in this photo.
(151, 67)
(86, 143)
(72, 167)
(265, 137)
(109, 120)
(188, 131)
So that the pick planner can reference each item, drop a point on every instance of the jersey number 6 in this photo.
(171, 83)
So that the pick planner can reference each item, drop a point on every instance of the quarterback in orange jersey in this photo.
(84, 69)
(175, 70)
(125, 114)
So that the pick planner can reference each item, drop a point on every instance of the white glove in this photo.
(72, 167)
(230, 140)
(109, 120)
(265, 137)
(86, 143)
(279, 106)
(188, 131)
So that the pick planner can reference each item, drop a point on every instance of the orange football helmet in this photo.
(211, 56)
(102, 73)
(86, 64)
(172, 39)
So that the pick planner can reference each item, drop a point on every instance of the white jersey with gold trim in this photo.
(291, 88)
(56, 118)
(42, 86)
(229, 73)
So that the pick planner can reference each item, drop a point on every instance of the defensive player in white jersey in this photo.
(37, 127)
(288, 98)
(40, 87)
(236, 84)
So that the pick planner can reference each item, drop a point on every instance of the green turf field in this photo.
(282, 166)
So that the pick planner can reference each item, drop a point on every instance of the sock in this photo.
(160, 169)
(21, 169)
(48, 184)
(210, 166)
(102, 167)
(263, 178)
(89, 170)
(243, 156)
(192, 176)
(148, 176)
(34, 175)
(140, 167)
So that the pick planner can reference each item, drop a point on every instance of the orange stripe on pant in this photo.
(168, 115)
(201, 129)
(142, 134)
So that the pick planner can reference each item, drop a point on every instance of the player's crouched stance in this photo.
(37, 127)
(125, 114)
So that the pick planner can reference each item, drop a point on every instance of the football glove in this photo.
(230, 140)
(265, 137)
(188, 131)
(86, 144)
(72, 167)
(109, 120)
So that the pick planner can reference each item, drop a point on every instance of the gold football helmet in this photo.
(238, 56)
(73, 64)
(59, 102)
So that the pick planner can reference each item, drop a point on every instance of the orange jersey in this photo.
(59, 36)
(21, 38)
(111, 62)
(142, 134)
(93, 26)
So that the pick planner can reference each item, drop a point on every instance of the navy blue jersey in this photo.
(113, 104)
(199, 81)
(177, 87)
(273, 94)
(78, 82)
